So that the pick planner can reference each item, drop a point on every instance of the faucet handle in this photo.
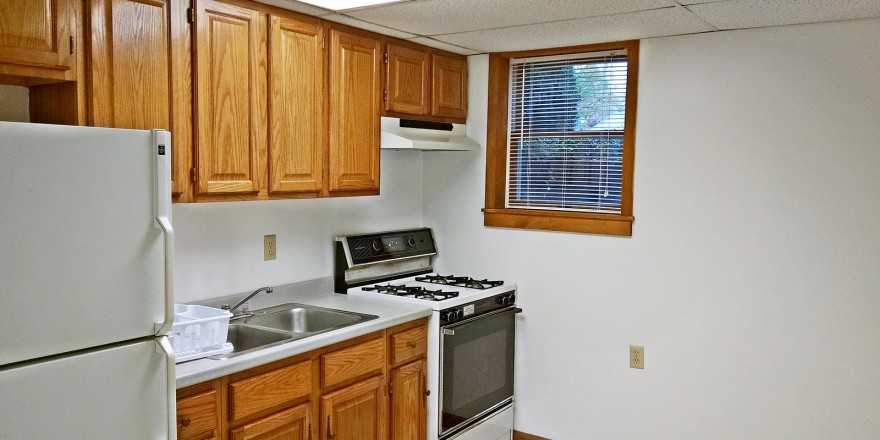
(225, 307)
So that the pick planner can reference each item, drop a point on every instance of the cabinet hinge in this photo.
(385, 95)
(71, 44)
(390, 388)
(193, 175)
(310, 431)
(386, 57)
(189, 15)
(322, 43)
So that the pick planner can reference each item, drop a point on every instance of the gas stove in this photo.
(473, 323)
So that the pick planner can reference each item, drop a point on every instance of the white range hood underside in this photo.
(400, 138)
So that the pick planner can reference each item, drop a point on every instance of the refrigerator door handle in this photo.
(165, 345)
(162, 210)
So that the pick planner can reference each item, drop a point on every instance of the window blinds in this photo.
(565, 138)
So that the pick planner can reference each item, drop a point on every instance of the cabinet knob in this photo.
(411, 344)
(185, 421)
(427, 393)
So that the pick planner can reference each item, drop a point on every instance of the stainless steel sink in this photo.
(299, 318)
(287, 322)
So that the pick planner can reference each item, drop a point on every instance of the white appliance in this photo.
(409, 134)
(86, 255)
(471, 334)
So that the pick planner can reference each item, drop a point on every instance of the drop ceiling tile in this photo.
(360, 24)
(434, 17)
(292, 5)
(738, 14)
(636, 25)
(425, 41)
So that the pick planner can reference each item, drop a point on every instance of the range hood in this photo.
(408, 134)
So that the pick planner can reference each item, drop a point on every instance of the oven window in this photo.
(477, 368)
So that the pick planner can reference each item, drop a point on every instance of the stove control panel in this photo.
(374, 248)
(476, 308)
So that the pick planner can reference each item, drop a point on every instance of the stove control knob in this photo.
(506, 299)
(459, 314)
(410, 242)
(447, 315)
(377, 246)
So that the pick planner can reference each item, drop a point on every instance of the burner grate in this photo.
(457, 281)
(411, 292)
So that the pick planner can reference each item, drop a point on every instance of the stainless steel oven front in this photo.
(476, 361)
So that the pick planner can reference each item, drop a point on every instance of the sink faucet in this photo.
(245, 309)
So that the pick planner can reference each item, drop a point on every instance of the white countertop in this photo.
(390, 313)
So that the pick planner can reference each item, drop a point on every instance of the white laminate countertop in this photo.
(390, 313)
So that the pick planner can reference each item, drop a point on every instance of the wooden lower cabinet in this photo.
(408, 389)
(290, 424)
(347, 391)
(198, 415)
(356, 412)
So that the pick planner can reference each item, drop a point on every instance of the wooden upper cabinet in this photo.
(356, 412)
(130, 65)
(408, 79)
(354, 112)
(37, 39)
(230, 97)
(296, 105)
(408, 401)
(450, 87)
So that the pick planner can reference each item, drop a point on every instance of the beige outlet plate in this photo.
(637, 357)
(269, 247)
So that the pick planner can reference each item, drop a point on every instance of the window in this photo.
(560, 147)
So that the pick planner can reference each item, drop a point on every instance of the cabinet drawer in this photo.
(267, 390)
(345, 364)
(197, 416)
(291, 423)
(409, 344)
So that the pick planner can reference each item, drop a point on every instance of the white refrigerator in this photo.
(86, 256)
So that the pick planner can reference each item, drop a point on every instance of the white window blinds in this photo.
(565, 138)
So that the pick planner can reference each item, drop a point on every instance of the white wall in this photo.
(14, 104)
(219, 246)
(753, 274)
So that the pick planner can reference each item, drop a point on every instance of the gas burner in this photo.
(411, 291)
(457, 281)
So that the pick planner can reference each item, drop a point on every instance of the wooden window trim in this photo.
(495, 214)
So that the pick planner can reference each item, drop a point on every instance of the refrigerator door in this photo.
(84, 256)
(119, 392)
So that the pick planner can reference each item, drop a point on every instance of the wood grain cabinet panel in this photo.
(349, 363)
(265, 391)
(409, 401)
(409, 344)
(356, 412)
(408, 79)
(198, 417)
(290, 424)
(354, 112)
(449, 96)
(230, 97)
(37, 39)
(296, 105)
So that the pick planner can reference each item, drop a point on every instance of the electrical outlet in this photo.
(269, 247)
(637, 357)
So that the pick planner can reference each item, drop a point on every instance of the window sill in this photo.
(604, 224)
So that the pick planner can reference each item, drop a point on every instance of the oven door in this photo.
(476, 373)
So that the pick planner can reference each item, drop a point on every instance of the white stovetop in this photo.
(465, 295)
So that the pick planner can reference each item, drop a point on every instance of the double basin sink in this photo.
(285, 323)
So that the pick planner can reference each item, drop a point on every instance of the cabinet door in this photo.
(198, 417)
(230, 97)
(290, 424)
(130, 64)
(356, 412)
(354, 112)
(450, 87)
(408, 400)
(408, 76)
(37, 37)
(296, 105)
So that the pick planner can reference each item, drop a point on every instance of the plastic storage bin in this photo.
(199, 331)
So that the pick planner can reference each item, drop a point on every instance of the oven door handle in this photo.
(447, 330)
